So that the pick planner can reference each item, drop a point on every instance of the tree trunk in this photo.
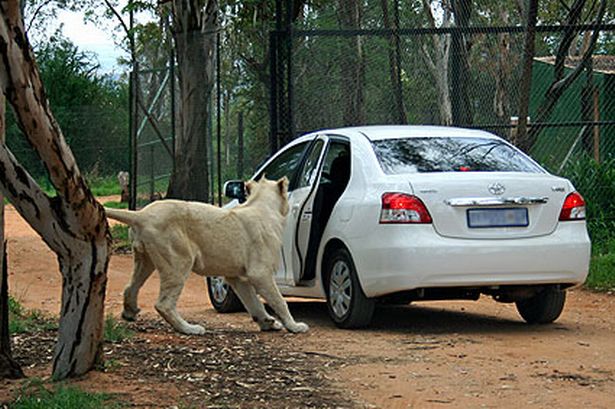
(501, 100)
(525, 87)
(9, 369)
(438, 61)
(72, 224)
(460, 67)
(195, 23)
(394, 63)
(352, 64)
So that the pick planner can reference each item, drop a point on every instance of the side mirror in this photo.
(235, 189)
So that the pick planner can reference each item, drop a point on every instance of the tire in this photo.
(347, 304)
(222, 296)
(543, 308)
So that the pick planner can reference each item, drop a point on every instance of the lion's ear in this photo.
(249, 186)
(283, 185)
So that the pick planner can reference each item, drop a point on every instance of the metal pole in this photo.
(240, 144)
(273, 92)
(152, 173)
(133, 95)
(218, 120)
(172, 87)
(289, 70)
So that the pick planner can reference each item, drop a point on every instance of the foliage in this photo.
(596, 183)
(116, 205)
(602, 267)
(103, 185)
(90, 108)
(116, 331)
(35, 395)
(27, 321)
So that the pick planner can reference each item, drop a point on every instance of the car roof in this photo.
(380, 132)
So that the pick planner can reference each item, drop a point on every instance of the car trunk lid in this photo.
(491, 205)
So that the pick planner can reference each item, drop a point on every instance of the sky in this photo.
(89, 37)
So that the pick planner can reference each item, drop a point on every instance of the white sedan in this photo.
(395, 214)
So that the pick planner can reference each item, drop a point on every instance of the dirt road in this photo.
(438, 354)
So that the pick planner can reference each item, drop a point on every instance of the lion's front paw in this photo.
(298, 327)
(270, 325)
(193, 330)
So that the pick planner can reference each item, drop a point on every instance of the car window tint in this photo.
(309, 171)
(419, 155)
(336, 149)
(285, 164)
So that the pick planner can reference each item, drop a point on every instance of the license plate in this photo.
(484, 218)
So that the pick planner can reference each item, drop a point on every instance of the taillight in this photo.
(403, 208)
(573, 208)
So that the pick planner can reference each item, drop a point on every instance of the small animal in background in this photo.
(123, 179)
(242, 244)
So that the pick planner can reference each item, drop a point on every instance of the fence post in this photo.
(596, 127)
(152, 173)
(240, 144)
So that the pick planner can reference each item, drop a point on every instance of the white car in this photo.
(396, 214)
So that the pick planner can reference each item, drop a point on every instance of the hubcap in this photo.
(340, 288)
(219, 289)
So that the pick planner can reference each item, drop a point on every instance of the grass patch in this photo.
(34, 395)
(116, 205)
(602, 268)
(116, 331)
(27, 321)
(121, 238)
(103, 185)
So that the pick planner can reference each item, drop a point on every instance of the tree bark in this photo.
(195, 24)
(438, 61)
(520, 137)
(72, 223)
(501, 100)
(460, 67)
(394, 63)
(9, 368)
(352, 64)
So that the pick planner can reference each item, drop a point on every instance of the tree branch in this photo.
(119, 18)
(38, 9)
(21, 83)
(28, 198)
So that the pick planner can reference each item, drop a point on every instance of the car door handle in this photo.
(295, 209)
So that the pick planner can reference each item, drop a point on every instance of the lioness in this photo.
(242, 244)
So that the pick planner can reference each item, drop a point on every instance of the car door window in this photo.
(310, 171)
(285, 164)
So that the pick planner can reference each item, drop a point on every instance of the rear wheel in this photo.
(222, 296)
(544, 307)
(347, 304)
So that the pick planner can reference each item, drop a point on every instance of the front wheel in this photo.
(544, 307)
(347, 304)
(222, 296)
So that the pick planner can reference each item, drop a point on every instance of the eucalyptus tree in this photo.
(71, 223)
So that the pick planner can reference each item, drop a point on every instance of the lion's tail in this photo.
(128, 217)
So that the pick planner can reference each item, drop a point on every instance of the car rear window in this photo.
(458, 154)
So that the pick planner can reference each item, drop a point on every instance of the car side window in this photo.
(285, 164)
(309, 171)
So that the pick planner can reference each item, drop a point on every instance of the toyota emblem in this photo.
(496, 189)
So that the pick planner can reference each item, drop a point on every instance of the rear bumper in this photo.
(409, 257)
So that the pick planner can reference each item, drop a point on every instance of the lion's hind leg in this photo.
(143, 269)
(254, 306)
